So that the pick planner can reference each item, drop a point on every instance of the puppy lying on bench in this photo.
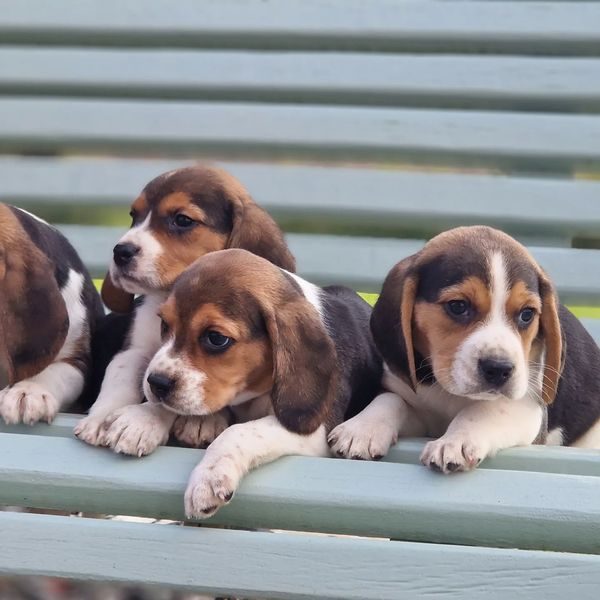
(179, 216)
(48, 311)
(476, 345)
(289, 358)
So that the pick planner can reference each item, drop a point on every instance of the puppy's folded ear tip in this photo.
(300, 421)
(115, 298)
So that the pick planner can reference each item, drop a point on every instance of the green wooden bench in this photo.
(364, 128)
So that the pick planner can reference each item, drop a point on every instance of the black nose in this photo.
(494, 371)
(160, 384)
(124, 253)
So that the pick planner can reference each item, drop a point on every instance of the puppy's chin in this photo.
(132, 284)
(186, 408)
(479, 391)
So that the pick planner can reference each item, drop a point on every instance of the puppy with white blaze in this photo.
(478, 353)
(49, 309)
(178, 217)
(291, 360)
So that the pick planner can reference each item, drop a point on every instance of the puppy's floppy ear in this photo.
(305, 368)
(114, 298)
(33, 317)
(391, 320)
(553, 339)
(256, 231)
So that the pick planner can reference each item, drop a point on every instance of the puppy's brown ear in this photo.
(256, 231)
(114, 298)
(391, 320)
(553, 339)
(305, 369)
(33, 317)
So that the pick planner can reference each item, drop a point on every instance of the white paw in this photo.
(210, 487)
(137, 430)
(90, 430)
(27, 402)
(362, 439)
(454, 452)
(199, 432)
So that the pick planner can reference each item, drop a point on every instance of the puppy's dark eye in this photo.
(133, 215)
(164, 328)
(525, 317)
(183, 221)
(460, 309)
(213, 341)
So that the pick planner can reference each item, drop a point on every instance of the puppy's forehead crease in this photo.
(458, 254)
(197, 180)
(230, 278)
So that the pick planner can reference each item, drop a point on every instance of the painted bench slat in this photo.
(363, 263)
(552, 27)
(542, 459)
(486, 507)
(406, 201)
(516, 140)
(332, 78)
(280, 565)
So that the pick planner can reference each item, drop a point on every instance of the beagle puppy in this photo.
(178, 217)
(48, 311)
(291, 360)
(478, 353)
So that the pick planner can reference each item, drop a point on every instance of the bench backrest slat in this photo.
(527, 27)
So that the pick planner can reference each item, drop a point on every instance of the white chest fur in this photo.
(435, 406)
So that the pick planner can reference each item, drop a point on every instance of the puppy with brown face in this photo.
(48, 312)
(476, 347)
(179, 216)
(288, 358)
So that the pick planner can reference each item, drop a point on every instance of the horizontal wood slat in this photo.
(363, 263)
(283, 565)
(515, 140)
(332, 78)
(542, 459)
(387, 25)
(402, 501)
(366, 197)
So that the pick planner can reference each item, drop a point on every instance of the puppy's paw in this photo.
(452, 453)
(209, 488)
(199, 432)
(27, 402)
(362, 438)
(137, 430)
(90, 430)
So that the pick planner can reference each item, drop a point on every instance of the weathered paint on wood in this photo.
(402, 501)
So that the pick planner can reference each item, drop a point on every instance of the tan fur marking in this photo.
(406, 312)
(520, 297)
(180, 202)
(550, 325)
(248, 362)
(182, 253)
(439, 337)
(140, 205)
(474, 291)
